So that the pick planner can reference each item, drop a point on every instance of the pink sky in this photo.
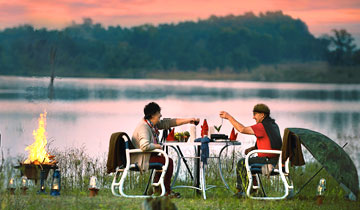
(320, 15)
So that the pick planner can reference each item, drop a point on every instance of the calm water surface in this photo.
(84, 112)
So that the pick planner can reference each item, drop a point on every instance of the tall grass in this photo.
(77, 167)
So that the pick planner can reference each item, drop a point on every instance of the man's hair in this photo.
(262, 108)
(150, 109)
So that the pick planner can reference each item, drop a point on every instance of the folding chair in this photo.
(278, 170)
(126, 167)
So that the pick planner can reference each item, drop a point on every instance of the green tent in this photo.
(334, 159)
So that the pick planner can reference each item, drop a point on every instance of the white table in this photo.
(200, 169)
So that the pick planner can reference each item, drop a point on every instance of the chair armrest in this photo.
(262, 151)
(152, 151)
(269, 152)
(148, 151)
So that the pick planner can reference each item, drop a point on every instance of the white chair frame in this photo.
(283, 174)
(129, 166)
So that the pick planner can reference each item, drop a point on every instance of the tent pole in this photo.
(314, 176)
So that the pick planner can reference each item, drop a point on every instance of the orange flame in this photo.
(37, 152)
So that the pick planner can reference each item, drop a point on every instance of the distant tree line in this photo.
(341, 50)
(232, 42)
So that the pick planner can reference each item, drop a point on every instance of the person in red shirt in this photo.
(268, 137)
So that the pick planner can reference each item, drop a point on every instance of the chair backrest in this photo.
(292, 148)
(119, 142)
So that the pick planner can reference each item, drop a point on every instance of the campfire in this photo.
(39, 160)
(37, 151)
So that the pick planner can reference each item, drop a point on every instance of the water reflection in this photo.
(86, 111)
(190, 93)
(86, 89)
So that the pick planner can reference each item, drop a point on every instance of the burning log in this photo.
(38, 159)
(32, 171)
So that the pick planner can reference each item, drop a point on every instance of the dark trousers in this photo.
(242, 180)
(167, 179)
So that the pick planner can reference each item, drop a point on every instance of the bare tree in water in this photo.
(2, 156)
(52, 77)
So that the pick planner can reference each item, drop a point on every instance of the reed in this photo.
(77, 167)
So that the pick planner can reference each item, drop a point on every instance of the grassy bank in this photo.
(310, 72)
(77, 167)
(315, 72)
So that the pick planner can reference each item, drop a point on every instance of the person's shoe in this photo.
(173, 194)
(156, 191)
(254, 191)
(240, 194)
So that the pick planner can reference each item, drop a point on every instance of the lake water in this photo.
(84, 112)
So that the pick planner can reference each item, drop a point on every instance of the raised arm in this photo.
(182, 121)
(237, 125)
(167, 123)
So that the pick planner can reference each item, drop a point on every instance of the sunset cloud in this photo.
(320, 16)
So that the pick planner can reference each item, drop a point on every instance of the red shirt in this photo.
(262, 140)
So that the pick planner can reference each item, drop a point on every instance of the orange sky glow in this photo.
(321, 16)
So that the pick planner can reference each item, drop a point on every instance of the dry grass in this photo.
(77, 167)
